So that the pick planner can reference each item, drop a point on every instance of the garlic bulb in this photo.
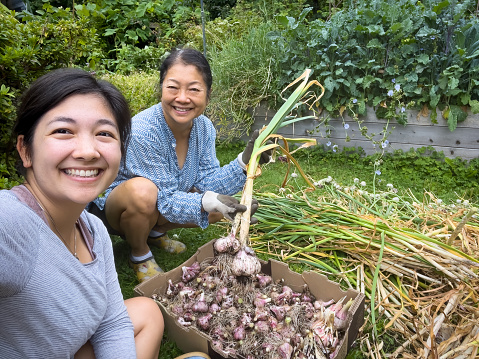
(245, 264)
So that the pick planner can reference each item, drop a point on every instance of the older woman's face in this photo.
(184, 95)
(75, 151)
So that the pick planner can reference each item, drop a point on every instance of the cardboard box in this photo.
(190, 339)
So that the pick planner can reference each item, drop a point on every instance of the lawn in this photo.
(404, 184)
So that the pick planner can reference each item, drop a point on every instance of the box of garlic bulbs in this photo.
(267, 312)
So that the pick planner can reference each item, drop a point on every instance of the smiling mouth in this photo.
(82, 173)
(181, 109)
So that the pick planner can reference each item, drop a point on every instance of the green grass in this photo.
(418, 171)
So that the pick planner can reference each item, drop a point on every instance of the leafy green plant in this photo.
(29, 48)
(144, 30)
(361, 50)
(243, 76)
(138, 88)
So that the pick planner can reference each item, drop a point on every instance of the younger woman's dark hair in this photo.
(188, 56)
(51, 89)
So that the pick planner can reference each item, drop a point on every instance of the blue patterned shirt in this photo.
(151, 154)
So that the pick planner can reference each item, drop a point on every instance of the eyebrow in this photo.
(195, 82)
(101, 121)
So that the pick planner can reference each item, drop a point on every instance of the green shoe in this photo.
(166, 243)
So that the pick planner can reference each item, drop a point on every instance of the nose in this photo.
(182, 96)
(86, 148)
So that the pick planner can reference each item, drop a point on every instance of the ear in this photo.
(22, 151)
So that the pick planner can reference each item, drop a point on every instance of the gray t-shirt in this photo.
(51, 303)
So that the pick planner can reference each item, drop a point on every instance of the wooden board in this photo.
(419, 132)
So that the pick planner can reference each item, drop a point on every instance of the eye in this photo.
(62, 131)
(105, 134)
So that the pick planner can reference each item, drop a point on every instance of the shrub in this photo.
(27, 50)
(243, 76)
(139, 88)
(429, 49)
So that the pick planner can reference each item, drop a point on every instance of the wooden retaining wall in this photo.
(419, 132)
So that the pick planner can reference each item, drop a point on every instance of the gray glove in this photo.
(227, 205)
(248, 151)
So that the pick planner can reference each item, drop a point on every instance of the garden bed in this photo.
(419, 132)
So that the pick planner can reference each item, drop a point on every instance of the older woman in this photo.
(171, 177)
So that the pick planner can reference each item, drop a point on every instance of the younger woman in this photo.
(59, 291)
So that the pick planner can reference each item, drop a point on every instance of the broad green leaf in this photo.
(141, 9)
(434, 97)
(423, 59)
(329, 84)
(374, 43)
(465, 98)
(368, 80)
(474, 106)
(458, 113)
(109, 32)
(439, 7)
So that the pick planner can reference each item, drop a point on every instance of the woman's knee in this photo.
(145, 315)
(137, 194)
(142, 194)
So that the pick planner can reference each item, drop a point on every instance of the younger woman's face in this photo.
(75, 151)
(184, 95)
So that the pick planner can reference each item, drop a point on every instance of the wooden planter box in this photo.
(419, 132)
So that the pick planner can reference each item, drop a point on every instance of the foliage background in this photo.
(426, 51)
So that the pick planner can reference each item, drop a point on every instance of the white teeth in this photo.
(82, 173)
(181, 109)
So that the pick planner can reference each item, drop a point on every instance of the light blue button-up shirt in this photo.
(151, 154)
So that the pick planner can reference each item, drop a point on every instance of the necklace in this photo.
(74, 252)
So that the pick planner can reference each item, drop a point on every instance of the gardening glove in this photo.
(228, 206)
(245, 156)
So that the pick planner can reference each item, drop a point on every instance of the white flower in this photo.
(396, 199)
(439, 201)
(294, 175)
(282, 190)
(289, 196)
(329, 179)
(356, 180)
(353, 188)
(466, 202)
(458, 201)
(175, 236)
(363, 183)
(316, 184)
(390, 185)
(360, 192)
(346, 126)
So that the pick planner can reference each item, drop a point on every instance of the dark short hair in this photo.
(188, 56)
(51, 89)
